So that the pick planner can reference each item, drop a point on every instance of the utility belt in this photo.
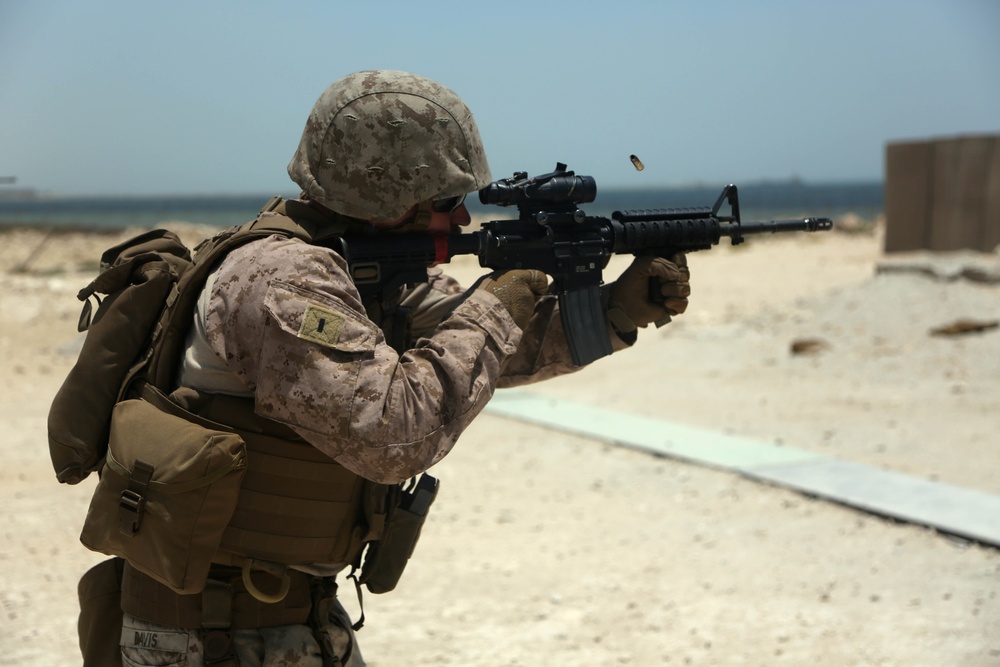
(228, 604)
(225, 602)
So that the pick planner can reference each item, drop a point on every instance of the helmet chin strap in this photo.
(420, 221)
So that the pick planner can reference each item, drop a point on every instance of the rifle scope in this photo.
(556, 189)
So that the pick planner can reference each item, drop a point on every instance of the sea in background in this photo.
(758, 201)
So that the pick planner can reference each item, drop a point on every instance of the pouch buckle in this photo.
(132, 503)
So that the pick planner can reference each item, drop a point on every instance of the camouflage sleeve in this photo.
(431, 302)
(543, 352)
(287, 320)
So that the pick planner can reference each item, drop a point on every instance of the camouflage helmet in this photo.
(379, 142)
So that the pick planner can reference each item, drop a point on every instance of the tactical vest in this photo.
(296, 505)
(290, 504)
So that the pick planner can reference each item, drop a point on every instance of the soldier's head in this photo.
(382, 145)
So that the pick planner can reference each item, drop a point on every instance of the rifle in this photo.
(553, 235)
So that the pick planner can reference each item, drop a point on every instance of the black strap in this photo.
(361, 603)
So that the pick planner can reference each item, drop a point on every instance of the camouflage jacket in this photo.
(281, 321)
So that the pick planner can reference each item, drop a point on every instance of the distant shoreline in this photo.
(761, 200)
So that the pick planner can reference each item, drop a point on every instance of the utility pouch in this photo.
(168, 489)
(386, 559)
(100, 624)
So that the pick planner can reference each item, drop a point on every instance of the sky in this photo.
(210, 96)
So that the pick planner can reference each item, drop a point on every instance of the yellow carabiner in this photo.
(271, 568)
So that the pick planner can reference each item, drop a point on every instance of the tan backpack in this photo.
(150, 283)
(136, 277)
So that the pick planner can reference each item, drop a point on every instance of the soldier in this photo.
(347, 397)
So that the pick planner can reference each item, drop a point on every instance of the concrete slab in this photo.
(655, 436)
(954, 510)
(951, 509)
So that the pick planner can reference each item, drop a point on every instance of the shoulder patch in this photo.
(321, 325)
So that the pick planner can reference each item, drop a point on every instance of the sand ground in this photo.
(545, 548)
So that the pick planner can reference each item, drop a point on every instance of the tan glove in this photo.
(517, 290)
(629, 302)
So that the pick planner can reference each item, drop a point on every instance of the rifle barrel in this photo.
(774, 226)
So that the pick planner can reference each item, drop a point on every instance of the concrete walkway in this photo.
(966, 513)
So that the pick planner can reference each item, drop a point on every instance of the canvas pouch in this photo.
(168, 488)
(387, 557)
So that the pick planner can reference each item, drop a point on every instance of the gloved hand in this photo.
(629, 303)
(517, 290)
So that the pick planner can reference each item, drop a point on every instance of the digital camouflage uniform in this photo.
(383, 415)
(281, 322)
(273, 323)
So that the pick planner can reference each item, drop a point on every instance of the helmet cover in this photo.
(379, 142)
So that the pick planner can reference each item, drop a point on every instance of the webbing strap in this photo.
(361, 604)
(148, 599)
(132, 503)
(217, 605)
(278, 548)
(217, 624)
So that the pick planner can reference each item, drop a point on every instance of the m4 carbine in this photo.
(553, 235)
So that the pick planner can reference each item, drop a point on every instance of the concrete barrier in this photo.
(943, 194)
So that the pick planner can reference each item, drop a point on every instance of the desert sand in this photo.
(550, 549)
